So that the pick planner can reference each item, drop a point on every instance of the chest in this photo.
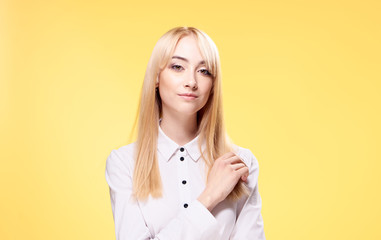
(183, 180)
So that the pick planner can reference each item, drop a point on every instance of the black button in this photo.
(185, 205)
(184, 182)
(182, 149)
(182, 159)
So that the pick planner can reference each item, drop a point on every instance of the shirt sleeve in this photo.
(194, 222)
(249, 224)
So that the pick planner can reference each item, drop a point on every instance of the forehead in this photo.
(188, 48)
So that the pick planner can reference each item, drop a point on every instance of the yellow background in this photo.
(301, 89)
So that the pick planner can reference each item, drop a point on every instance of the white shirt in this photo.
(178, 215)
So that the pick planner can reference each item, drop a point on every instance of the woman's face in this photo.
(185, 83)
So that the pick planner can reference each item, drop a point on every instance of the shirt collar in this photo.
(167, 147)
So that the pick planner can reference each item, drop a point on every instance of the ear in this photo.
(157, 81)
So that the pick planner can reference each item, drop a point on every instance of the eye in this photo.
(177, 67)
(205, 72)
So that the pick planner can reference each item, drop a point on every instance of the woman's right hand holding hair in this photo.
(227, 170)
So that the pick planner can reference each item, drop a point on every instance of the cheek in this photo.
(206, 92)
(167, 86)
(206, 86)
(168, 80)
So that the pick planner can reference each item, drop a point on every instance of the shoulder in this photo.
(251, 162)
(122, 157)
(119, 169)
(247, 157)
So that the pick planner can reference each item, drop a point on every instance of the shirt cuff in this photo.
(203, 220)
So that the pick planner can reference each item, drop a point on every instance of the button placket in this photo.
(183, 177)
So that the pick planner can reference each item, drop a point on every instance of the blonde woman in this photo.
(182, 178)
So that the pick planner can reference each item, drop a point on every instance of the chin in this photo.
(184, 109)
(187, 109)
(187, 112)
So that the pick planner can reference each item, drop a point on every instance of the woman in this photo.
(182, 179)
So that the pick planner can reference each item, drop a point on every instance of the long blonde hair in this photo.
(211, 130)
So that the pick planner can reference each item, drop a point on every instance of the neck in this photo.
(181, 129)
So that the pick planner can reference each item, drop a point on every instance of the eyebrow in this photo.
(186, 60)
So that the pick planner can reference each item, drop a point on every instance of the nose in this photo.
(191, 82)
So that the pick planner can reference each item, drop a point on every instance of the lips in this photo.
(188, 95)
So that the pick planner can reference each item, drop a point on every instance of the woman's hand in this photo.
(227, 170)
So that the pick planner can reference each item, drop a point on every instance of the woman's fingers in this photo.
(227, 155)
(237, 166)
(245, 176)
(226, 171)
(235, 163)
(233, 159)
(243, 171)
